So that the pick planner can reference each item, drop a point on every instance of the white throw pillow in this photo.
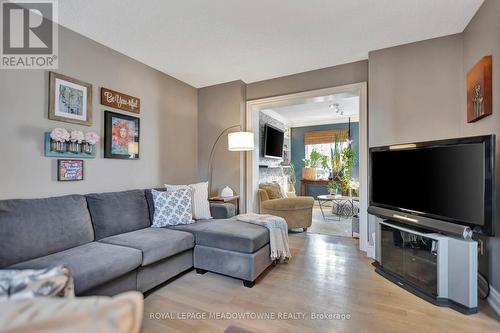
(172, 207)
(201, 206)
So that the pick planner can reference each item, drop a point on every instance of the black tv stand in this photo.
(437, 268)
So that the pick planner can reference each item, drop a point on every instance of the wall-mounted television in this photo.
(273, 142)
(437, 184)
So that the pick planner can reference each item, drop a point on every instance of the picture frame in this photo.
(121, 136)
(70, 100)
(479, 90)
(70, 170)
(120, 101)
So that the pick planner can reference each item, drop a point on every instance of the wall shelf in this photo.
(51, 153)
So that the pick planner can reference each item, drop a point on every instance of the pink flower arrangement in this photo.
(76, 136)
(59, 135)
(91, 138)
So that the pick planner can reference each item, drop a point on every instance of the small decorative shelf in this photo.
(63, 149)
(263, 166)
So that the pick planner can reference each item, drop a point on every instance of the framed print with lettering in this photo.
(69, 170)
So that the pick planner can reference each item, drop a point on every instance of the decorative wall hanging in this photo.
(69, 170)
(120, 101)
(479, 87)
(121, 136)
(63, 143)
(70, 100)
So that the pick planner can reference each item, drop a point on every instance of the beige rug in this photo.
(331, 225)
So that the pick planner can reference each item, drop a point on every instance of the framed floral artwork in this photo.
(69, 170)
(70, 100)
(121, 136)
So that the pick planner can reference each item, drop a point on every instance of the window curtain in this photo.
(322, 137)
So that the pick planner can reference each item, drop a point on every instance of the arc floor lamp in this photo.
(236, 141)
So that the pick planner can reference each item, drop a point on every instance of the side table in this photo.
(235, 198)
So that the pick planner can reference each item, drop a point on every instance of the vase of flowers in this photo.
(58, 139)
(75, 140)
(90, 140)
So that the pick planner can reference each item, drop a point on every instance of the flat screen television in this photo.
(273, 142)
(448, 181)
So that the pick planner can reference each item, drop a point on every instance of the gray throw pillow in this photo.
(33, 283)
(172, 207)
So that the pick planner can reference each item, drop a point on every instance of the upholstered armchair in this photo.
(297, 211)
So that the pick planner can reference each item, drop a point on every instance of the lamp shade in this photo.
(240, 141)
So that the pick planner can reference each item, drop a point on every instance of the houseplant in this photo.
(326, 164)
(291, 178)
(344, 159)
(310, 165)
(335, 157)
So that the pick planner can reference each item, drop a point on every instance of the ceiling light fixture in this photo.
(338, 109)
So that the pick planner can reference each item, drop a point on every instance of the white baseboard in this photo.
(494, 300)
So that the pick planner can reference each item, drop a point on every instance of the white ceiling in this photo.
(206, 42)
(317, 111)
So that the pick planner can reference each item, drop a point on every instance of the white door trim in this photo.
(252, 169)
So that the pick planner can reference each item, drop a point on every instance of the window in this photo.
(324, 149)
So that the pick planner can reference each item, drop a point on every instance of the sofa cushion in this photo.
(91, 264)
(32, 228)
(228, 234)
(273, 190)
(118, 212)
(155, 243)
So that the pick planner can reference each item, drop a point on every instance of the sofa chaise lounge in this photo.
(107, 241)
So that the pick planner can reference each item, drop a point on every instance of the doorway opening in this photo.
(322, 129)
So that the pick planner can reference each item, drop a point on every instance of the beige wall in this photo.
(415, 91)
(482, 37)
(168, 124)
(418, 92)
(322, 78)
(219, 107)
(223, 105)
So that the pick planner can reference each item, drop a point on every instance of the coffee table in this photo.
(345, 205)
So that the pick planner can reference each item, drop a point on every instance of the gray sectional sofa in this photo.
(107, 242)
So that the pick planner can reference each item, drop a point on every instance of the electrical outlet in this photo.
(480, 246)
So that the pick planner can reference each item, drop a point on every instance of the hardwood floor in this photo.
(327, 274)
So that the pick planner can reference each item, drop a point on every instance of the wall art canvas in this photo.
(69, 170)
(479, 90)
(70, 100)
(121, 137)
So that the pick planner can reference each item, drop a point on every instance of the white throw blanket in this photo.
(278, 233)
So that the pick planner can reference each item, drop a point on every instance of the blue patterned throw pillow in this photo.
(172, 207)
